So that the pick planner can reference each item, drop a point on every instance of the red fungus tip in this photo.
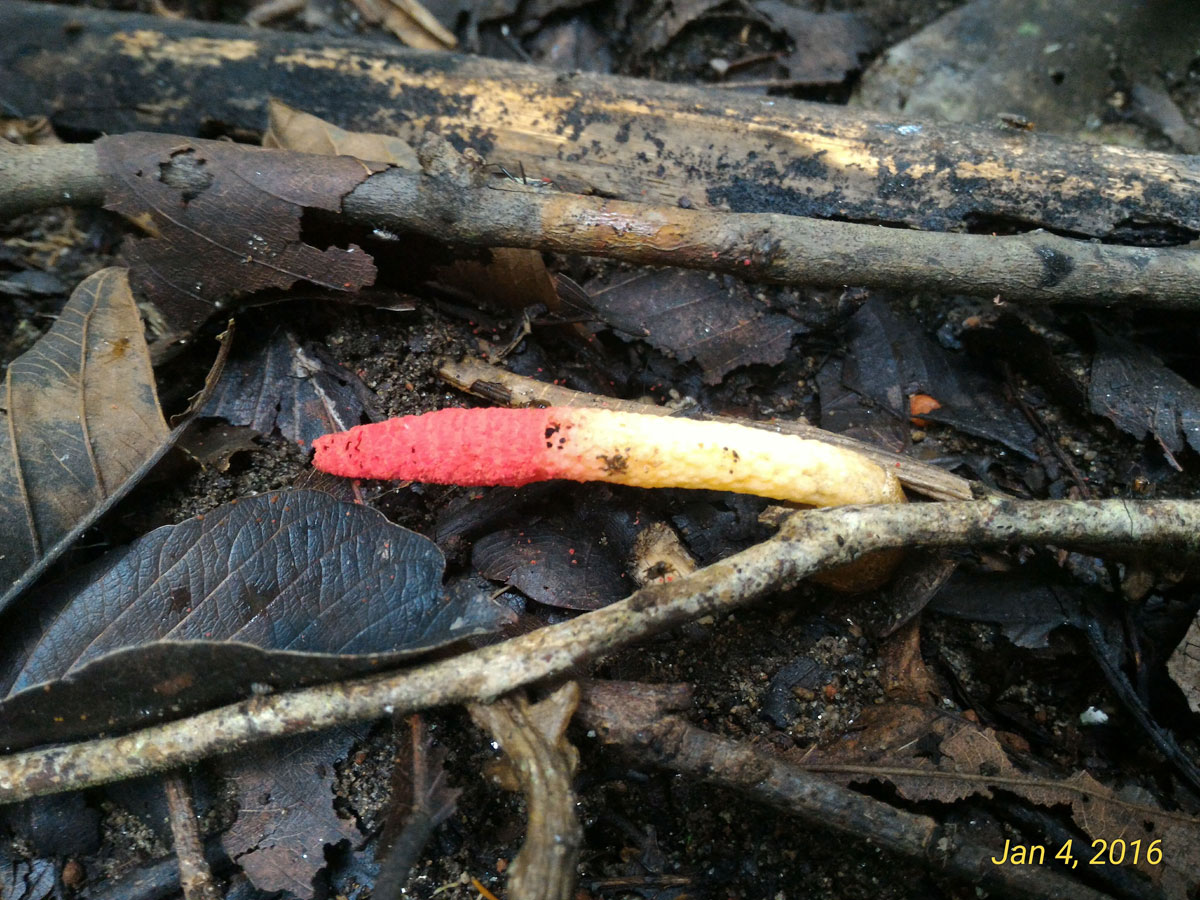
(452, 446)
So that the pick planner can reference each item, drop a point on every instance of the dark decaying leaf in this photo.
(801, 677)
(281, 589)
(1142, 396)
(57, 826)
(918, 579)
(224, 220)
(1032, 346)
(664, 20)
(32, 283)
(216, 443)
(890, 358)
(692, 315)
(563, 563)
(844, 411)
(82, 417)
(1026, 606)
(27, 879)
(286, 813)
(715, 528)
(286, 385)
(826, 47)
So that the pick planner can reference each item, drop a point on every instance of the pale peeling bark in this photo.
(624, 138)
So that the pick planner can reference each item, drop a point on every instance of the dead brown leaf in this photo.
(286, 815)
(903, 672)
(1184, 665)
(286, 384)
(292, 129)
(408, 20)
(83, 416)
(826, 46)
(1141, 396)
(511, 277)
(226, 221)
(692, 315)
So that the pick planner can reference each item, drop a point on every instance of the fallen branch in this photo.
(808, 542)
(454, 206)
(108, 72)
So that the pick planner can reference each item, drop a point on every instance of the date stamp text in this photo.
(1117, 852)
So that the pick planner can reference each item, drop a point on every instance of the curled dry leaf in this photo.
(82, 420)
(408, 20)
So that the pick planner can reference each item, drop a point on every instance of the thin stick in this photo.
(194, 874)
(501, 386)
(806, 543)
(765, 247)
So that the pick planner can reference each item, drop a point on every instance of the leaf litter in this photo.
(901, 413)
(927, 754)
(282, 589)
(713, 320)
(512, 277)
(1137, 393)
(82, 421)
(224, 220)
(286, 790)
(288, 385)
(889, 360)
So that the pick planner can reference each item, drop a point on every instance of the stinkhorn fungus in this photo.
(513, 447)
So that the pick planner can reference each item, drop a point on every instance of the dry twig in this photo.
(195, 876)
(806, 543)
(453, 207)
